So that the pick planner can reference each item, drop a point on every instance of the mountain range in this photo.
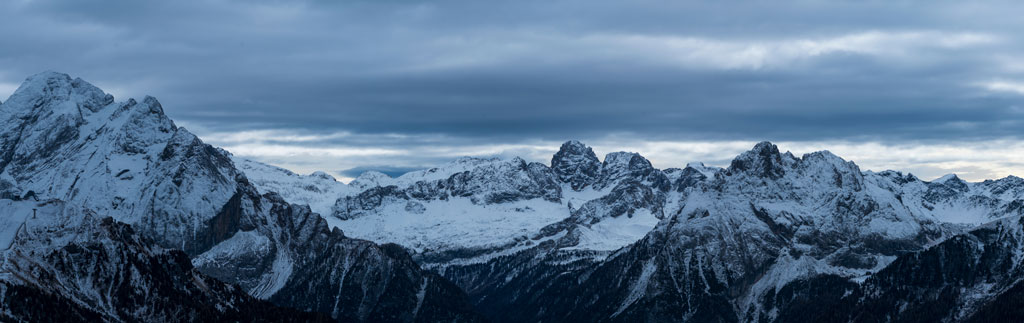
(109, 209)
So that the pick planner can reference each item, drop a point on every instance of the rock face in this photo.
(66, 140)
(298, 262)
(623, 165)
(762, 161)
(576, 164)
(97, 269)
(972, 277)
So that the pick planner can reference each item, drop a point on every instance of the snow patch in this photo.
(455, 223)
(318, 190)
(639, 288)
(614, 233)
(12, 217)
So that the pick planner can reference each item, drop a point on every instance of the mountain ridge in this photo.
(65, 139)
(579, 239)
(883, 215)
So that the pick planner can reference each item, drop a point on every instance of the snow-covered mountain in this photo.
(136, 219)
(61, 263)
(698, 243)
(64, 139)
(973, 277)
(732, 242)
(319, 190)
(473, 209)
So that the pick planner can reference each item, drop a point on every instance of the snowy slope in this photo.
(614, 233)
(768, 221)
(476, 207)
(483, 204)
(728, 240)
(470, 203)
(581, 239)
(470, 208)
(64, 140)
(14, 215)
(454, 223)
(318, 190)
(953, 200)
(66, 265)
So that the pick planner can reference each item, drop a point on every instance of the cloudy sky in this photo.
(346, 86)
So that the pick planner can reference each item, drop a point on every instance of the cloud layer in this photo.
(975, 161)
(395, 85)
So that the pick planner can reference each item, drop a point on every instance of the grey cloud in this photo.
(410, 74)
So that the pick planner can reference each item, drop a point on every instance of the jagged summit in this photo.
(65, 140)
(764, 160)
(574, 145)
(620, 165)
(576, 163)
(53, 119)
(946, 178)
(58, 90)
(579, 240)
(39, 89)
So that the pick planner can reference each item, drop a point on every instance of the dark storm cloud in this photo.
(495, 70)
(462, 73)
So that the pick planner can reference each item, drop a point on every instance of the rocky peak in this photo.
(824, 167)
(370, 179)
(622, 165)
(45, 113)
(945, 187)
(60, 137)
(144, 124)
(764, 160)
(898, 177)
(691, 175)
(576, 164)
(1006, 184)
(707, 171)
(951, 181)
(323, 175)
(1012, 179)
(153, 105)
(49, 90)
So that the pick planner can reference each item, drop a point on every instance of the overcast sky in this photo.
(348, 86)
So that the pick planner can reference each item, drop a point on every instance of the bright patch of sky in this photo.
(972, 161)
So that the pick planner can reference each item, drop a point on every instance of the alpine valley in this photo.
(110, 212)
